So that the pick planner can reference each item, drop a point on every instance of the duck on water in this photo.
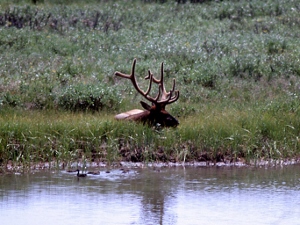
(81, 174)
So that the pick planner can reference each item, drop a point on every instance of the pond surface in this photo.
(226, 195)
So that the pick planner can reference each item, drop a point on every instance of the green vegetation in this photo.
(236, 64)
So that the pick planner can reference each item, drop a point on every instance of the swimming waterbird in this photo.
(80, 174)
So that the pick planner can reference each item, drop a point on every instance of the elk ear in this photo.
(145, 105)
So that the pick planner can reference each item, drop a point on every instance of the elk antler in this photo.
(166, 96)
(133, 80)
(162, 97)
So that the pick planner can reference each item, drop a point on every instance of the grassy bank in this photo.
(236, 64)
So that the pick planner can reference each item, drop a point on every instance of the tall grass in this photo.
(215, 134)
(236, 64)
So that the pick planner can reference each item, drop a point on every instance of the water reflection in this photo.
(154, 196)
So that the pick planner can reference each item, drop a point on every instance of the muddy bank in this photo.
(90, 166)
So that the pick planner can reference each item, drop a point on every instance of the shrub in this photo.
(81, 97)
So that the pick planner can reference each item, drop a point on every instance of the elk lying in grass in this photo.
(155, 114)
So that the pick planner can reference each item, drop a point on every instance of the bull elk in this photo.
(155, 114)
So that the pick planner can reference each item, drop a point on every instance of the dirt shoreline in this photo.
(33, 167)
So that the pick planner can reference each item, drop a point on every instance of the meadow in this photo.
(236, 65)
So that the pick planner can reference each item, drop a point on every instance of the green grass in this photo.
(236, 64)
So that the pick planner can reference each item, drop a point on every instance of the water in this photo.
(153, 196)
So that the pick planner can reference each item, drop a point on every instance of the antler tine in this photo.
(173, 99)
(165, 94)
(155, 99)
(134, 82)
(167, 97)
(127, 76)
(170, 99)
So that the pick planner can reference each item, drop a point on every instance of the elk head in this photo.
(156, 113)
